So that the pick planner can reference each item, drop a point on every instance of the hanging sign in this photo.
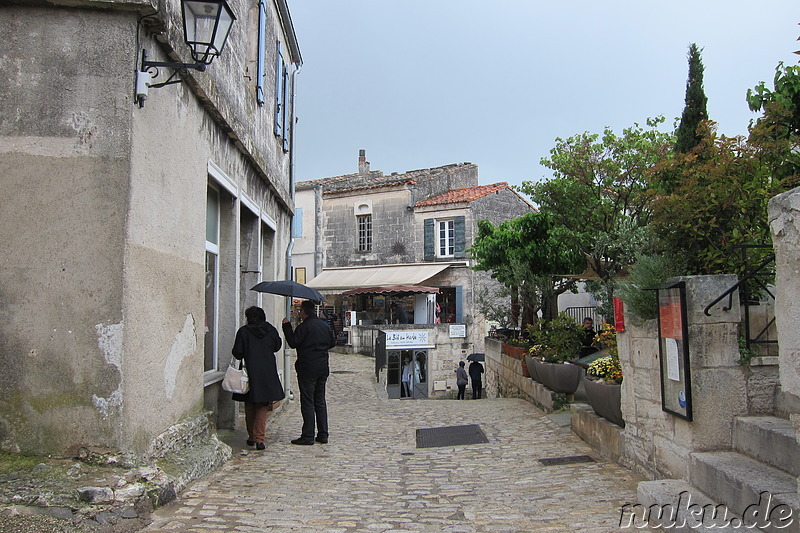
(619, 316)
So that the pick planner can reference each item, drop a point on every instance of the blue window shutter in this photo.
(262, 31)
(278, 90)
(459, 304)
(286, 118)
(429, 245)
(460, 237)
(297, 222)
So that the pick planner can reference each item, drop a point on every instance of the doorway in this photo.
(407, 374)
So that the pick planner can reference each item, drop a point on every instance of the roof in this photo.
(467, 194)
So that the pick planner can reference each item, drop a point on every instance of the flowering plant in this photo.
(607, 339)
(606, 368)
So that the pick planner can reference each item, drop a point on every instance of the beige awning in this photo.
(352, 277)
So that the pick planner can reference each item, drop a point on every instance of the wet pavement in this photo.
(371, 477)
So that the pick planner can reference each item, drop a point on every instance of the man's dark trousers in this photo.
(312, 406)
(476, 389)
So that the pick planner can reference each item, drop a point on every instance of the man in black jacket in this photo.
(312, 339)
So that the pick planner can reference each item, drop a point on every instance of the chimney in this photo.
(363, 164)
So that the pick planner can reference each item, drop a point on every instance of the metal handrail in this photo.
(729, 293)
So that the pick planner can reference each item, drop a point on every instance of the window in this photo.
(300, 275)
(212, 279)
(446, 238)
(364, 233)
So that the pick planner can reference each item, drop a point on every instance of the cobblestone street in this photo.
(371, 477)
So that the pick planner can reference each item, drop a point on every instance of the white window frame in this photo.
(446, 238)
(213, 248)
(364, 232)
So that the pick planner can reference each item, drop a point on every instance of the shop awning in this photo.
(392, 289)
(354, 277)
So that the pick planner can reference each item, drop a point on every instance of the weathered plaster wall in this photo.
(64, 153)
(393, 238)
(103, 227)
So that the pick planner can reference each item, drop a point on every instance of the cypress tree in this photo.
(694, 110)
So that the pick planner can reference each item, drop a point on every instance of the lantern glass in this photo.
(206, 26)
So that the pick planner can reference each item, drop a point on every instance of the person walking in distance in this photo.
(461, 380)
(256, 343)
(312, 339)
(475, 371)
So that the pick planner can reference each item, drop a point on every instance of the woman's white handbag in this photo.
(236, 379)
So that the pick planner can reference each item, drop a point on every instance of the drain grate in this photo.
(342, 372)
(450, 436)
(568, 460)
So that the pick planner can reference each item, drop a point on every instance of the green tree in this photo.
(524, 255)
(694, 110)
(776, 134)
(718, 201)
(598, 197)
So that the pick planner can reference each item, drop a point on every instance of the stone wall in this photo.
(505, 379)
(657, 443)
(784, 217)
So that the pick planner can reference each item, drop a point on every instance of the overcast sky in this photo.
(425, 83)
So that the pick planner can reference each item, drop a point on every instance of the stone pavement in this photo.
(371, 477)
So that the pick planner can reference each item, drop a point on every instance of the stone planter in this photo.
(529, 361)
(559, 377)
(605, 399)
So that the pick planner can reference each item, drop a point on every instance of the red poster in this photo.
(619, 316)
(670, 318)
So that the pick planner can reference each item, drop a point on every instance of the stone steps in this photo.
(768, 439)
(756, 478)
(675, 505)
(747, 486)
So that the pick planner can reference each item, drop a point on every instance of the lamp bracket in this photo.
(147, 65)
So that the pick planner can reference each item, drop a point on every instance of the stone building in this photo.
(368, 229)
(135, 219)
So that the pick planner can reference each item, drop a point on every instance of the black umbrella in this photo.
(476, 357)
(288, 287)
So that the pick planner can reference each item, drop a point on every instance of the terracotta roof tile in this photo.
(467, 194)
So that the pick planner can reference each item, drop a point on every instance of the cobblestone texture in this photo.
(372, 478)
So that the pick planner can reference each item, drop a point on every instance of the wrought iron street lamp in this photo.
(206, 27)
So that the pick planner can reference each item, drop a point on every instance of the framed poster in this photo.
(673, 348)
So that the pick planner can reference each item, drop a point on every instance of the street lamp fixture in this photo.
(206, 26)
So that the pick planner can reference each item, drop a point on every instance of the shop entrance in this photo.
(407, 374)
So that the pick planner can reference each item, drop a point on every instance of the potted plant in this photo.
(604, 377)
(560, 342)
(516, 348)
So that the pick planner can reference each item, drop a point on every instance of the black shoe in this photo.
(302, 442)
(322, 440)
(260, 446)
(250, 443)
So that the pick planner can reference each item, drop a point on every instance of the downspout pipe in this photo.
(287, 355)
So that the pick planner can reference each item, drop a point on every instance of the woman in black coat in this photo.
(257, 343)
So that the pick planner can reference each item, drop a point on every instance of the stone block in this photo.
(762, 389)
(605, 438)
(702, 290)
(95, 495)
(670, 459)
(718, 396)
(714, 345)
